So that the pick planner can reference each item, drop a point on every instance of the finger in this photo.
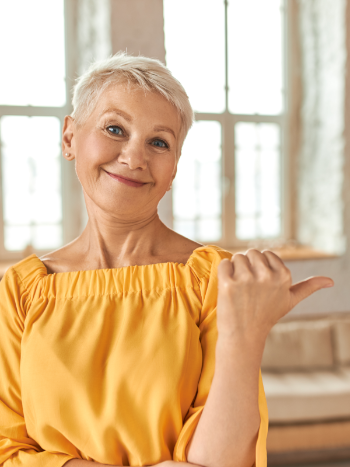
(241, 261)
(305, 288)
(225, 270)
(257, 259)
(274, 260)
(242, 269)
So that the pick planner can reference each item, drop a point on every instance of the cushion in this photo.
(328, 435)
(308, 397)
(299, 345)
(341, 330)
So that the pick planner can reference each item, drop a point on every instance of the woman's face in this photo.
(126, 152)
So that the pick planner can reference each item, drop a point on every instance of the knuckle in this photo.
(225, 286)
(268, 251)
(221, 267)
(238, 255)
(265, 275)
(252, 251)
(286, 273)
(245, 277)
(226, 282)
(285, 276)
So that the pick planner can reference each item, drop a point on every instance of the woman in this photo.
(111, 351)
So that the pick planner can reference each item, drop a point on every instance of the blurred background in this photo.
(266, 163)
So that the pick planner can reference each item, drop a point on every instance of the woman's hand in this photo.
(255, 291)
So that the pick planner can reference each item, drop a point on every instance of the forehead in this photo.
(139, 103)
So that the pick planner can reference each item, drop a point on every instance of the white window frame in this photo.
(228, 121)
(70, 189)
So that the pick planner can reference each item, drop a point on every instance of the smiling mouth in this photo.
(126, 181)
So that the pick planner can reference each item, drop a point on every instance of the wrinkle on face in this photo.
(143, 117)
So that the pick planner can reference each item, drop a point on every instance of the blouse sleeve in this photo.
(16, 446)
(208, 338)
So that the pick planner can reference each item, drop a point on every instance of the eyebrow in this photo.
(164, 128)
(126, 116)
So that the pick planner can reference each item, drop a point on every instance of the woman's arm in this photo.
(255, 291)
(227, 432)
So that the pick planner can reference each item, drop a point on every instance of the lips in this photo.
(126, 181)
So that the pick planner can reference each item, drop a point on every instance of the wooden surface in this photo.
(317, 458)
(315, 436)
(308, 443)
(290, 253)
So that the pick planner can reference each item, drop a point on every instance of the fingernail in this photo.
(329, 285)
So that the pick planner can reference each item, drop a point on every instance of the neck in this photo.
(112, 242)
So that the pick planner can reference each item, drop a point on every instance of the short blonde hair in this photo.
(147, 73)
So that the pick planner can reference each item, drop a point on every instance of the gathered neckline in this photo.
(130, 266)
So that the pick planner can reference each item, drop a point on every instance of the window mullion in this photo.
(226, 57)
(31, 111)
(228, 182)
(72, 199)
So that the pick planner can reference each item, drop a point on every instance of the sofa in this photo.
(306, 375)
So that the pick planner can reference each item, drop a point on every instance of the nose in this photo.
(133, 154)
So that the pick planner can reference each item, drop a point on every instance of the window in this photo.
(229, 55)
(32, 208)
(34, 98)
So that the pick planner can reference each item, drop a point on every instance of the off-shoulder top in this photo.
(109, 365)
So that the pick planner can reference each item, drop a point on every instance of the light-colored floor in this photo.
(334, 464)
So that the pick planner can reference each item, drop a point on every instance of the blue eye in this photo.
(159, 143)
(115, 130)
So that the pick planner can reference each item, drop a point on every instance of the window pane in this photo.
(197, 186)
(32, 47)
(195, 50)
(255, 45)
(17, 238)
(258, 191)
(31, 181)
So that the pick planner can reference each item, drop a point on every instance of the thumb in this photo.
(305, 288)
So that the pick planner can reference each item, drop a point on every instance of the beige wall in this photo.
(137, 27)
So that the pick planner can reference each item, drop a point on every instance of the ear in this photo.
(68, 138)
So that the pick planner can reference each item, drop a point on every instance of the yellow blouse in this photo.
(110, 365)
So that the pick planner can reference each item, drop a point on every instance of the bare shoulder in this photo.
(62, 260)
(179, 248)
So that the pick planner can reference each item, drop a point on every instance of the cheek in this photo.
(163, 169)
(92, 152)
